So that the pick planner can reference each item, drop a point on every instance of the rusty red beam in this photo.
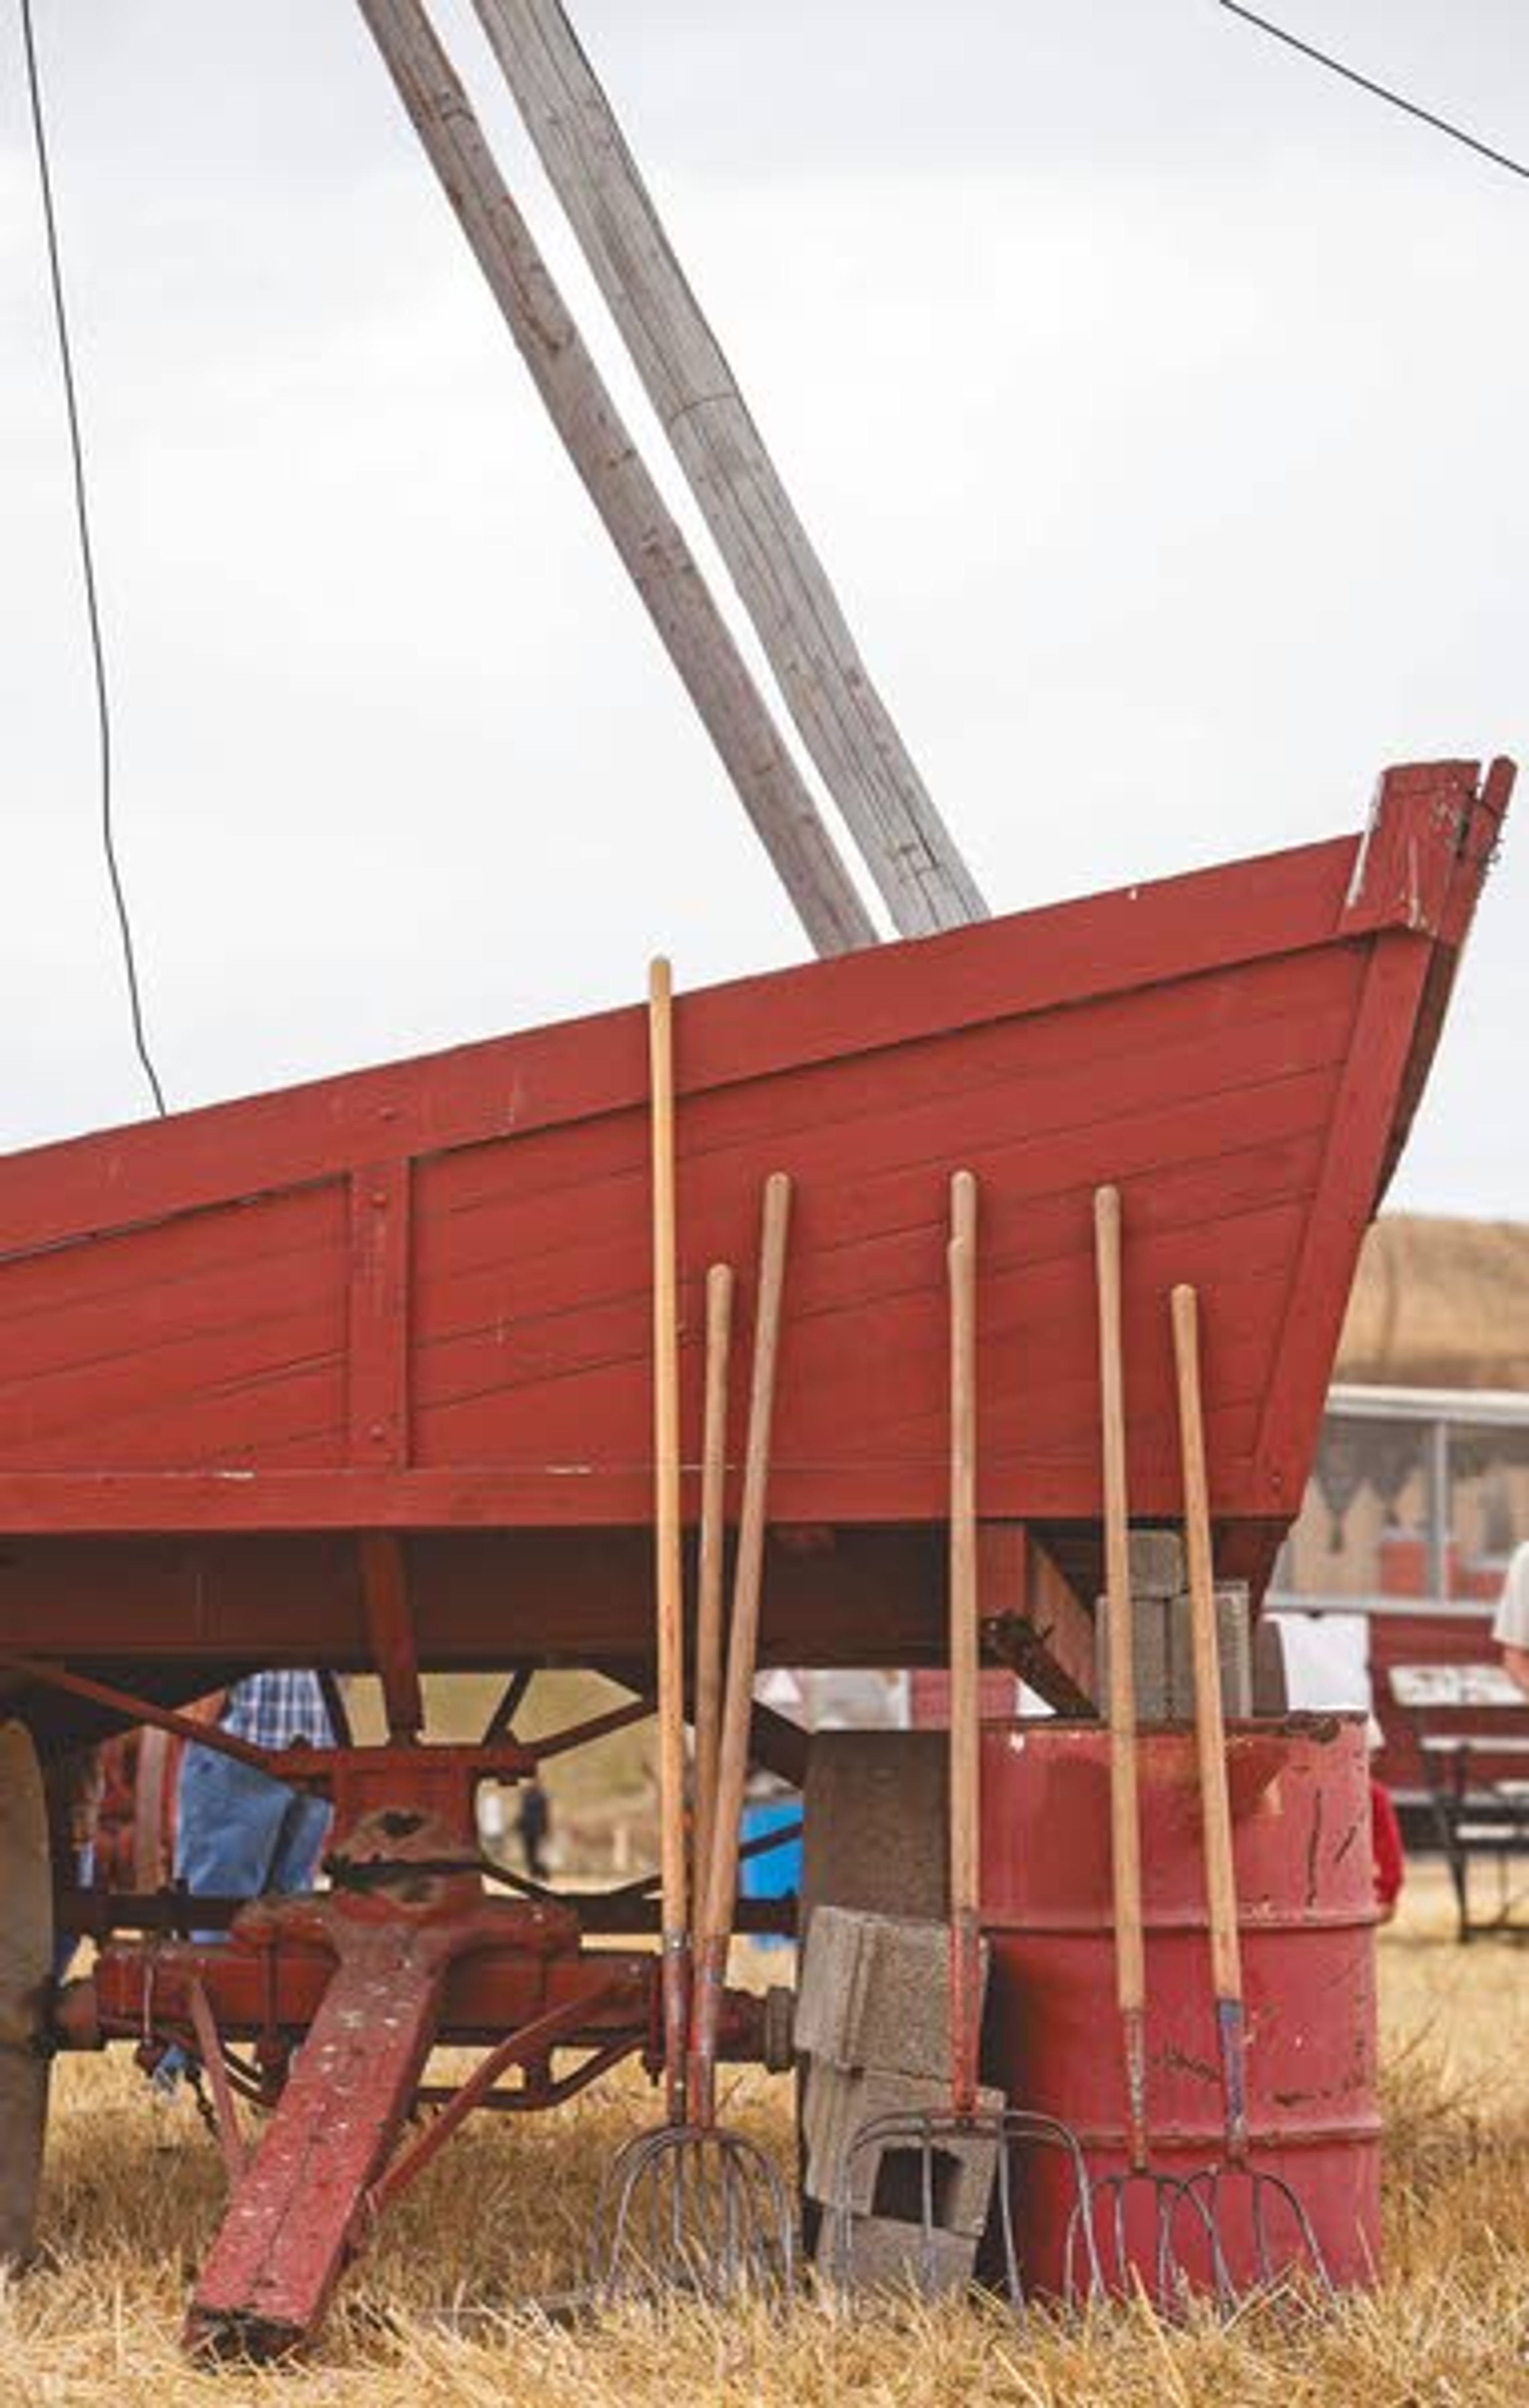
(294, 2216)
(533, 2098)
(545, 1496)
(390, 1622)
(495, 1987)
(210, 2048)
(533, 2040)
(628, 1910)
(190, 1606)
(135, 1709)
(301, 2206)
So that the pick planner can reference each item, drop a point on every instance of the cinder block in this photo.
(1163, 1651)
(879, 2254)
(876, 1819)
(897, 2015)
(1151, 1654)
(832, 2114)
(884, 2177)
(830, 2117)
(876, 1991)
(1233, 1645)
(1157, 1563)
(825, 1972)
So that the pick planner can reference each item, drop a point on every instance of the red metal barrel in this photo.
(1301, 1817)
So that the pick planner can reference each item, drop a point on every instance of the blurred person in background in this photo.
(533, 1823)
(240, 1832)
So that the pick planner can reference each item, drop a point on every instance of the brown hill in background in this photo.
(1439, 1303)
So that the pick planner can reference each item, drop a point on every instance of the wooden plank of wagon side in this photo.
(842, 719)
(651, 546)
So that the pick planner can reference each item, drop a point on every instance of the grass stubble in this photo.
(431, 2315)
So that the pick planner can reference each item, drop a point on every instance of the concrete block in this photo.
(1164, 1653)
(1157, 1563)
(1152, 1652)
(884, 2177)
(825, 1971)
(816, 2099)
(876, 1816)
(897, 2015)
(1235, 1645)
(879, 2254)
(830, 2119)
(876, 1991)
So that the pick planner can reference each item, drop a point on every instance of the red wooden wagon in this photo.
(356, 1375)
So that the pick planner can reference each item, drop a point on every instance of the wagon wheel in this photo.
(26, 1963)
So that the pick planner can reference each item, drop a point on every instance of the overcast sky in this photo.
(1160, 406)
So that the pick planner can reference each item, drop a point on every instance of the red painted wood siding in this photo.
(217, 1336)
(220, 1338)
(420, 1294)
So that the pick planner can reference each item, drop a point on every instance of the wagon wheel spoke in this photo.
(26, 1958)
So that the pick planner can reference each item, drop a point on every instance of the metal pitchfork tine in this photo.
(1114, 2194)
(1267, 2195)
(1008, 2129)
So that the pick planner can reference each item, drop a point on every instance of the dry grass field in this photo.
(432, 2317)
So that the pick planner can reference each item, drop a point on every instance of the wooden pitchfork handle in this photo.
(1209, 1729)
(715, 1920)
(709, 1609)
(669, 1632)
(966, 1926)
(1124, 1812)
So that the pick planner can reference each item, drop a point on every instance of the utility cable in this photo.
(87, 560)
(1380, 91)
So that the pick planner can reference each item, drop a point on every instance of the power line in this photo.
(87, 561)
(1380, 91)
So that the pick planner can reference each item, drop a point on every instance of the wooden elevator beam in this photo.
(840, 716)
(645, 533)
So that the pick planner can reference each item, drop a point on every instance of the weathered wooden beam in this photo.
(842, 720)
(389, 1624)
(1033, 1619)
(650, 544)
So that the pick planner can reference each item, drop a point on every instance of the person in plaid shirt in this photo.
(241, 1833)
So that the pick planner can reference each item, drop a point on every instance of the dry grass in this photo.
(504, 2213)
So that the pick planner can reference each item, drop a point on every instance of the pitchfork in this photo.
(1006, 2130)
(694, 2204)
(1139, 2199)
(1269, 2197)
